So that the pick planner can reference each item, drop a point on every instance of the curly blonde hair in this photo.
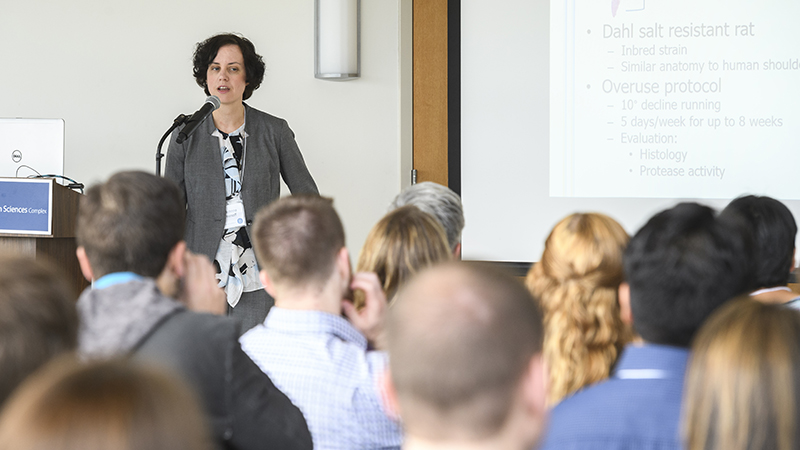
(576, 282)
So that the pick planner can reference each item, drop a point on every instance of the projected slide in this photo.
(674, 98)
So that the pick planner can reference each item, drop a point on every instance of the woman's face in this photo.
(225, 76)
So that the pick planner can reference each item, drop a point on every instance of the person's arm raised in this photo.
(371, 318)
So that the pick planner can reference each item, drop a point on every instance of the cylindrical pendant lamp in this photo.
(337, 26)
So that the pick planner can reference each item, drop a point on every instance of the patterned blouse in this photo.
(235, 261)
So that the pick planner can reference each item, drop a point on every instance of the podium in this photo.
(37, 219)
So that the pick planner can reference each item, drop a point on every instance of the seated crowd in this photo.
(683, 335)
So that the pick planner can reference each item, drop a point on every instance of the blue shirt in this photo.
(322, 364)
(638, 407)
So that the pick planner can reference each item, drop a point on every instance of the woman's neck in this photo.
(228, 118)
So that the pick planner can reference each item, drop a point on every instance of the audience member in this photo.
(576, 280)
(110, 405)
(743, 382)
(38, 320)
(440, 202)
(129, 233)
(466, 365)
(774, 230)
(319, 359)
(679, 268)
(405, 241)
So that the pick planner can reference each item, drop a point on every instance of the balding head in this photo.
(462, 342)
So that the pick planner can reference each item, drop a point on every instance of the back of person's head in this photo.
(743, 380)
(402, 243)
(463, 342)
(681, 265)
(577, 280)
(440, 202)
(109, 405)
(130, 223)
(38, 320)
(297, 238)
(774, 230)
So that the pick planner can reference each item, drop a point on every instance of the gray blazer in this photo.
(196, 165)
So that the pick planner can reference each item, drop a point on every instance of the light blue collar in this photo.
(115, 278)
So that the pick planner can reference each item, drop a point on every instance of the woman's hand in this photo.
(371, 318)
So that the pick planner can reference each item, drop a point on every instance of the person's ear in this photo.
(389, 395)
(534, 395)
(343, 267)
(794, 260)
(457, 252)
(176, 260)
(266, 281)
(624, 298)
(536, 386)
(83, 261)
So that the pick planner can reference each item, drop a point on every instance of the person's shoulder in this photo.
(793, 303)
(206, 321)
(585, 404)
(616, 413)
(262, 117)
(199, 329)
(254, 336)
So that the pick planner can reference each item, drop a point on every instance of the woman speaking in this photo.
(230, 167)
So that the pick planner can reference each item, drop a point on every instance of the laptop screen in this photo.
(30, 147)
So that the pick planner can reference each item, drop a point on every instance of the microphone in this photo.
(211, 105)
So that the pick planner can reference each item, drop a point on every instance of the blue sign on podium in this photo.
(26, 206)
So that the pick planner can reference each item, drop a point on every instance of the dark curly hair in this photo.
(207, 50)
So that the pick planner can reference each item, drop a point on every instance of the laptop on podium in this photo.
(30, 147)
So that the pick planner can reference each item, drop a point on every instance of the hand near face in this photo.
(199, 289)
(371, 318)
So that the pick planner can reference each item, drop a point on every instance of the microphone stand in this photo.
(180, 120)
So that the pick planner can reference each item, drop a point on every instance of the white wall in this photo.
(119, 72)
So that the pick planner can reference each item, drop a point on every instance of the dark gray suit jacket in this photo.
(196, 165)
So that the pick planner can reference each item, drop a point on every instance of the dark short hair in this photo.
(38, 319)
(774, 231)
(681, 265)
(206, 51)
(460, 338)
(130, 223)
(297, 238)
